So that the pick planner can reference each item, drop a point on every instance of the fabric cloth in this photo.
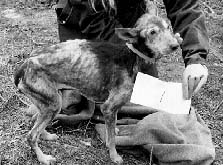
(172, 139)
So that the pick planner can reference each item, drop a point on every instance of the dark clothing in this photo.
(100, 24)
(79, 20)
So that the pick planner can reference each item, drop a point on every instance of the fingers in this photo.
(193, 85)
(190, 87)
(194, 77)
(203, 80)
(196, 82)
(179, 39)
(185, 87)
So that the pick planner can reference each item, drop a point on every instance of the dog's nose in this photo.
(174, 47)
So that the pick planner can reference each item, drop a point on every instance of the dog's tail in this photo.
(19, 73)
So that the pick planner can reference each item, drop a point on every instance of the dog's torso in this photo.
(93, 68)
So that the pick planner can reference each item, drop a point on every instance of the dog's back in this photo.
(91, 67)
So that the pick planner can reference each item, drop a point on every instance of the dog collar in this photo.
(140, 54)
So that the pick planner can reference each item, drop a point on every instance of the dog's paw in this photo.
(117, 159)
(48, 136)
(47, 159)
(179, 38)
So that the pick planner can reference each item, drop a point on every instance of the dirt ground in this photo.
(28, 26)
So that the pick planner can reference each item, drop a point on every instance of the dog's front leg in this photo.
(110, 115)
(119, 95)
(115, 101)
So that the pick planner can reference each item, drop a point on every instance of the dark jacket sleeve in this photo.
(187, 19)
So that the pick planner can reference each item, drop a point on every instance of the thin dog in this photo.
(103, 72)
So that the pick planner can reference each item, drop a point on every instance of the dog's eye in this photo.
(152, 32)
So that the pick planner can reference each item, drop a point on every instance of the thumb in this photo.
(203, 80)
(185, 86)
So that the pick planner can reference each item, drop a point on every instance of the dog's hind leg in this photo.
(48, 136)
(33, 137)
(49, 102)
(44, 135)
(45, 116)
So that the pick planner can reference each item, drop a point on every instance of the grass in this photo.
(25, 27)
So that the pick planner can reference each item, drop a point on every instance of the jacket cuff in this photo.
(197, 58)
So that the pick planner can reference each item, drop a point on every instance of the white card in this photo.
(156, 94)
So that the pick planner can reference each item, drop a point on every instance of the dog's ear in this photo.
(151, 8)
(127, 34)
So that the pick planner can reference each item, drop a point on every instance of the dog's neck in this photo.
(140, 54)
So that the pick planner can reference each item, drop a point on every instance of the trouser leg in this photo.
(68, 32)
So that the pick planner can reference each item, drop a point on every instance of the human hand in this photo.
(178, 37)
(194, 77)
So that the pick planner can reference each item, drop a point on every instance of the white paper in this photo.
(154, 93)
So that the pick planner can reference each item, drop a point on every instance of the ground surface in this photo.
(24, 27)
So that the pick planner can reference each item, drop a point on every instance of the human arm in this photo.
(188, 20)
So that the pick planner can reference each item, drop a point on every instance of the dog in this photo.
(103, 72)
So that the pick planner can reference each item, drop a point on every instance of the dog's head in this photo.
(151, 35)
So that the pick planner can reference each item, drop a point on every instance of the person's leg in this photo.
(67, 21)
(128, 11)
(188, 20)
(67, 32)
(76, 112)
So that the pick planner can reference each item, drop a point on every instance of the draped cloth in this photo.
(173, 139)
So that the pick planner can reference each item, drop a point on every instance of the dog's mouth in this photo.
(165, 52)
(168, 51)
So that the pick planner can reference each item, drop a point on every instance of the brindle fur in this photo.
(101, 71)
